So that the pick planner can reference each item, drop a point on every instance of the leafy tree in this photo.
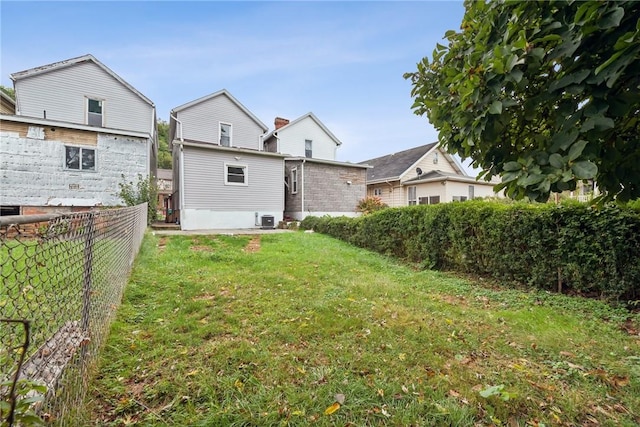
(9, 91)
(544, 94)
(143, 191)
(164, 151)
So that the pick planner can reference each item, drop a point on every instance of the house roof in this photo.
(315, 119)
(221, 93)
(215, 147)
(7, 98)
(327, 162)
(165, 174)
(391, 166)
(71, 62)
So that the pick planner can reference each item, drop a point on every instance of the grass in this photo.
(301, 329)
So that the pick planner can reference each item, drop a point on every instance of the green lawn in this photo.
(306, 330)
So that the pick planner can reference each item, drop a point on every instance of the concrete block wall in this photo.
(331, 188)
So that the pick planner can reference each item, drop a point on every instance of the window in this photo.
(236, 174)
(459, 198)
(471, 192)
(434, 200)
(94, 112)
(412, 195)
(308, 151)
(80, 158)
(294, 181)
(435, 158)
(377, 191)
(225, 134)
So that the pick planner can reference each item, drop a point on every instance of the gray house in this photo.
(222, 177)
(77, 128)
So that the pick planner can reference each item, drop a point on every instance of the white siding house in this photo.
(305, 136)
(222, 178)
(78, 128)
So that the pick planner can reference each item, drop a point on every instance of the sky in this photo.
(343, 61)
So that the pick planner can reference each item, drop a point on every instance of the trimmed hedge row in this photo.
(592, 251)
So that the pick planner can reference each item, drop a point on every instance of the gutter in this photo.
(302, 184)
(180, 127)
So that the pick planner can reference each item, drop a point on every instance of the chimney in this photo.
(279, 122)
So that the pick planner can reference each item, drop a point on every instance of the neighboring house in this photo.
(78, 127)
(222, 178)
(164, 187)
(315, 183)
(7, 104)
(306, 136)
(422, 175)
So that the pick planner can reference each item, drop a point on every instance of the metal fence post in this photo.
(87, 273)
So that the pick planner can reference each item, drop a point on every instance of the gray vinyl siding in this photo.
(204, 182)
(63, 93)
(200, 122)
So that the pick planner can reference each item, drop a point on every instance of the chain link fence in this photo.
(64, 275)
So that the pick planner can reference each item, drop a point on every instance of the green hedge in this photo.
(592, 251)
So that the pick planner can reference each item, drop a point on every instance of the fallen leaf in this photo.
(380, 392)
(566, 354)
(405, 389)
(339, 398)
(331, 409)
(238, 384)
(454, 393)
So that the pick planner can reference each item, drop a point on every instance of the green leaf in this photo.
(512, 166)
(611, 19)
(495, 107)
(556, 161)
(584, 169)
(576, 149)
(491, 391)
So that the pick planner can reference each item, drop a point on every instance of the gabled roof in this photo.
(216, 94)
(391, 166)
(71, 62)
(299, 119)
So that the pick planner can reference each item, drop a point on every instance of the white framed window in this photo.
(95, 110)
(308, 148)
(235, 174)
(471, 192)
(411, 195)
(79, 158)
(294, 180)
(377, 191)
(225, 133)
(434, 200)
(459, 198)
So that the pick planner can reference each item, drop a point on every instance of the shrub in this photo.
(371, 204)
(143, 191)
(576, 247)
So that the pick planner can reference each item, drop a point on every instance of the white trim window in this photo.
(95, 112)
(308, 148)
(472, 192)
(235, 174)
(377, 192)
(79, 158)
(294, 180)
(225, 133)
(411, 195)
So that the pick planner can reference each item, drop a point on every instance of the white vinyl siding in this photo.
(292, 140)
(205, 187)
(200, 122)
(62, 95)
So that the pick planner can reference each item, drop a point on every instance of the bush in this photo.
(143, 191)
(371, 204)
(576, 247)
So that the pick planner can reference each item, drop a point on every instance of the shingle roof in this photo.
(393, 165)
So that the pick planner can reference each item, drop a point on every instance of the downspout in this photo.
(178, 130)
(181, 198)
(302, 184)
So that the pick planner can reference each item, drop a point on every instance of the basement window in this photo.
(80, 158)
